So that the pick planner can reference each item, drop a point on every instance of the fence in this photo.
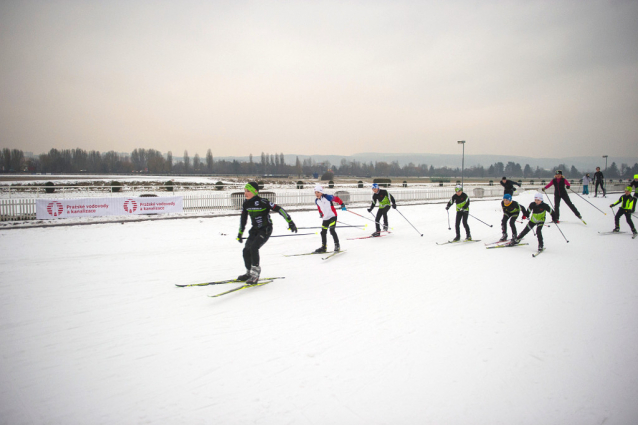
(19, 203)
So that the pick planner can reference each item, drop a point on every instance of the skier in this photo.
(462, 212)
(508, 186)
(560, 192)
(385, 200)
(627, 207)
(511, 210)
(599, 180)
(634, 184)
(536, 213)
(329, 215)
(259, 210)
(586, 181)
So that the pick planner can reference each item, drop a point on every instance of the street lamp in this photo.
(605, 180)
(462, 142)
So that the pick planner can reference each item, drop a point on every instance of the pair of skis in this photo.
(383, 233)
(244, 285)
(330, 254)
(459, 241)
(633, 236)
(503, 244)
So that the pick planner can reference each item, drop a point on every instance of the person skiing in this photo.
(599, 180)
(385, 200)
(258, 209)
(627, 207)
(560, 192)
(536, 213)
(329, 215)
(634, 184)
(462, 212)
(586, 181)
(508, 186)
(511, 211)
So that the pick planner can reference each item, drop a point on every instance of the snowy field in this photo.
(397, 330)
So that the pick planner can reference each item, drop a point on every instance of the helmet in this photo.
(458, 188)
(507, 197)
(375, 185)
(538, 195)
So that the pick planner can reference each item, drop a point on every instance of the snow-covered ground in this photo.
(397, 330)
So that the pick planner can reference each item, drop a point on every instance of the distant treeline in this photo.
(152, 161)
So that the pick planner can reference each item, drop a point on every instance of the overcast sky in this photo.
(533, 78)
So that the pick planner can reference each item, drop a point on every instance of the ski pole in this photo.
(362, 216)
(410, 223)
(480, 220)
(555, 222)
(588, 201)
(351, 225)
(280, 236)
(448, 220)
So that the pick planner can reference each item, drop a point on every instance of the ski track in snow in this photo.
(398, 331)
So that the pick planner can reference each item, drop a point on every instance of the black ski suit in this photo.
(385, 200)
(259, 211)
(536, 214)
(627, 207)
(462, 213)
(599, 180)
(508, 187)
(510, 213)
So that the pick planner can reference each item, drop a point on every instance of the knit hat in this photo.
(635, 176)
(628, 188)
(458, 187)
(507, 197)
(538, 195)
(375, 186)
(504, 178)
(252, 187)
(559, 172)
(319, 188)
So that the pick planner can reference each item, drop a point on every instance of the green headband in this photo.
(251, 189)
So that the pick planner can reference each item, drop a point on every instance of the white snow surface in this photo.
(397, 330)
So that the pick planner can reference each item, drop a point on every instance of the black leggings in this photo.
(462, 215)
(329, 224)
(627, 214)
(564, 196)
(256, 239)
(602, 187)
(512, 220)
(383, 212)
(539, 232)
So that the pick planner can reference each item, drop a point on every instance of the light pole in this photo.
(462, 142)
(605, 180)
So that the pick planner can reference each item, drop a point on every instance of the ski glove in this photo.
(447, 208)
(343, 207)
(524, 217)
(239, 237)
(369, 210)
(292, 227)
(394, 206)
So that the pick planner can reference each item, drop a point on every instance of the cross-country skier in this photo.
(634, 184)
(508, 186)
(560, 192)
(536, 214)
(329, 215)
(599, 180)
(385, 200)
(511, 211)
(586, 181)
(627, 207)
(462, 212)
(259, 210)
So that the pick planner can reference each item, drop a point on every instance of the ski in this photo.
(498, 242)
(538, 252)
(305, 253)
(445, 243)
(244, 286)
(610, 233)
(332, 254)
(220, 282)
(366, 237)
(507, 245)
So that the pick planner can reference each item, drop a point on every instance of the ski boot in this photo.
(376, 234)
(457, 238)
(244, 277)
(321, 250)
(514, 241)
(337, 248)
(504, 237)
(385, 228)
(616, 230)
(468, 238)
(254, 275)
